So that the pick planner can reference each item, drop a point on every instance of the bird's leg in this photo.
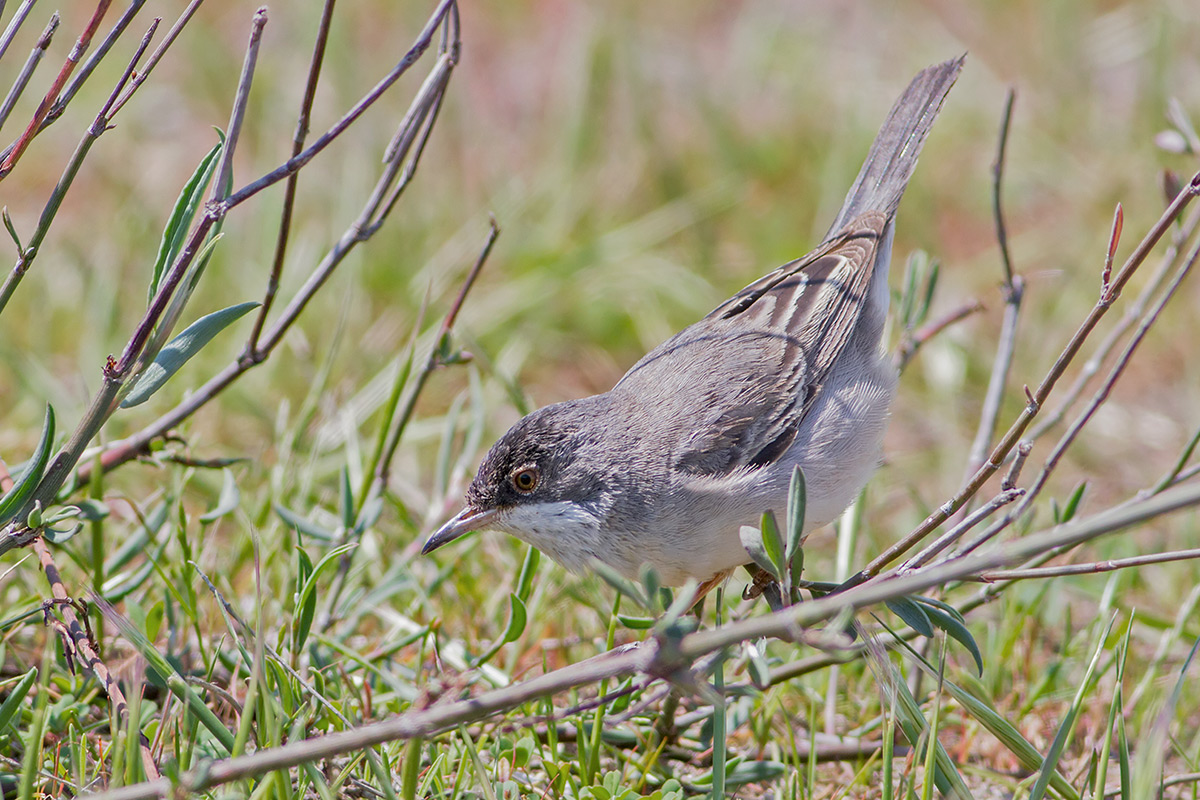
(706, 587)
(664, 726)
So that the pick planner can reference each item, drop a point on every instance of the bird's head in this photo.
(539, 484)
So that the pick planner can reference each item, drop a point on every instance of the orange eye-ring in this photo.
(525, 480)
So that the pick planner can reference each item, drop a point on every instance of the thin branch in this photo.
(661, 657)
(1014, 292)
(1133, 312)
(77, 640)
(99, 125)
(383, 467)
(419, 723)
(386, 450)
(951, 536)
(43, 109)
(1024, 447)
(157, 55)
(291, 165)
(912, 344)
(237, 114)
(289, 192)
(1093, 568)
(368, 221)
(997, 179)
(1038, 398)
(60, 105)
(14, 25)
(127, 449)
(115, 372)
(78, 643)
(1099, 398)
(35, 57)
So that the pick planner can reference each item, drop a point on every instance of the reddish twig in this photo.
(1035, 400)
(78, 644)
(43, 109)
(289, 191)
(911, 344)
(375, 211)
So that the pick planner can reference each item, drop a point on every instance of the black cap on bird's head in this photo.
(524, 467)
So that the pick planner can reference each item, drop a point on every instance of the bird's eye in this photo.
(525, 480)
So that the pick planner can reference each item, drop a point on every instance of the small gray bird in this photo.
(702, 435)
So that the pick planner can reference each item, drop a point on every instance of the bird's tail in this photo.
(893, 155)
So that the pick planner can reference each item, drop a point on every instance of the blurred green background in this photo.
(644, 161)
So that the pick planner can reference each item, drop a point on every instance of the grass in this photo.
(642, 162)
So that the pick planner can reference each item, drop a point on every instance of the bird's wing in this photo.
(734, 388)
(736, 385)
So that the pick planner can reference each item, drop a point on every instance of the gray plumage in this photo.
(701, 436)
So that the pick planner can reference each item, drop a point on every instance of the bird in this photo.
(702, 435)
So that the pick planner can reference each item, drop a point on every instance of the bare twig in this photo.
(117, 371)
(383, 465)
(380, 464)
(1014, 291)
(60, 105)
(1035, 400)
(1133, 312)
(157, 54)
(77, 641)
(14, 25)
(122, 451)
(665, 656)
(1093, 568)
(99, 125)
(1014, 469)
(43, 109)
(237, 114)
(289, 192)
(911, 344)
(997, 179)
(1098, 399)
(951, 536)
(324, 140)
(35, 57)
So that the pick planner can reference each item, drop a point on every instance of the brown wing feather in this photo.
(773, 343)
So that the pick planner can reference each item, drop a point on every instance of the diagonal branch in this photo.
(1037, 398)
(663, 656)
(64, 74)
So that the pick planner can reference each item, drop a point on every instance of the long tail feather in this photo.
(893, 155)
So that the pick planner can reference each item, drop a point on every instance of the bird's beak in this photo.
(465, 521)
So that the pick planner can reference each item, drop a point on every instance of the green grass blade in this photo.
(772, 541)
(986, 715)
(1050, 763)
(15, 498)
(227, 501)
(16, 696)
